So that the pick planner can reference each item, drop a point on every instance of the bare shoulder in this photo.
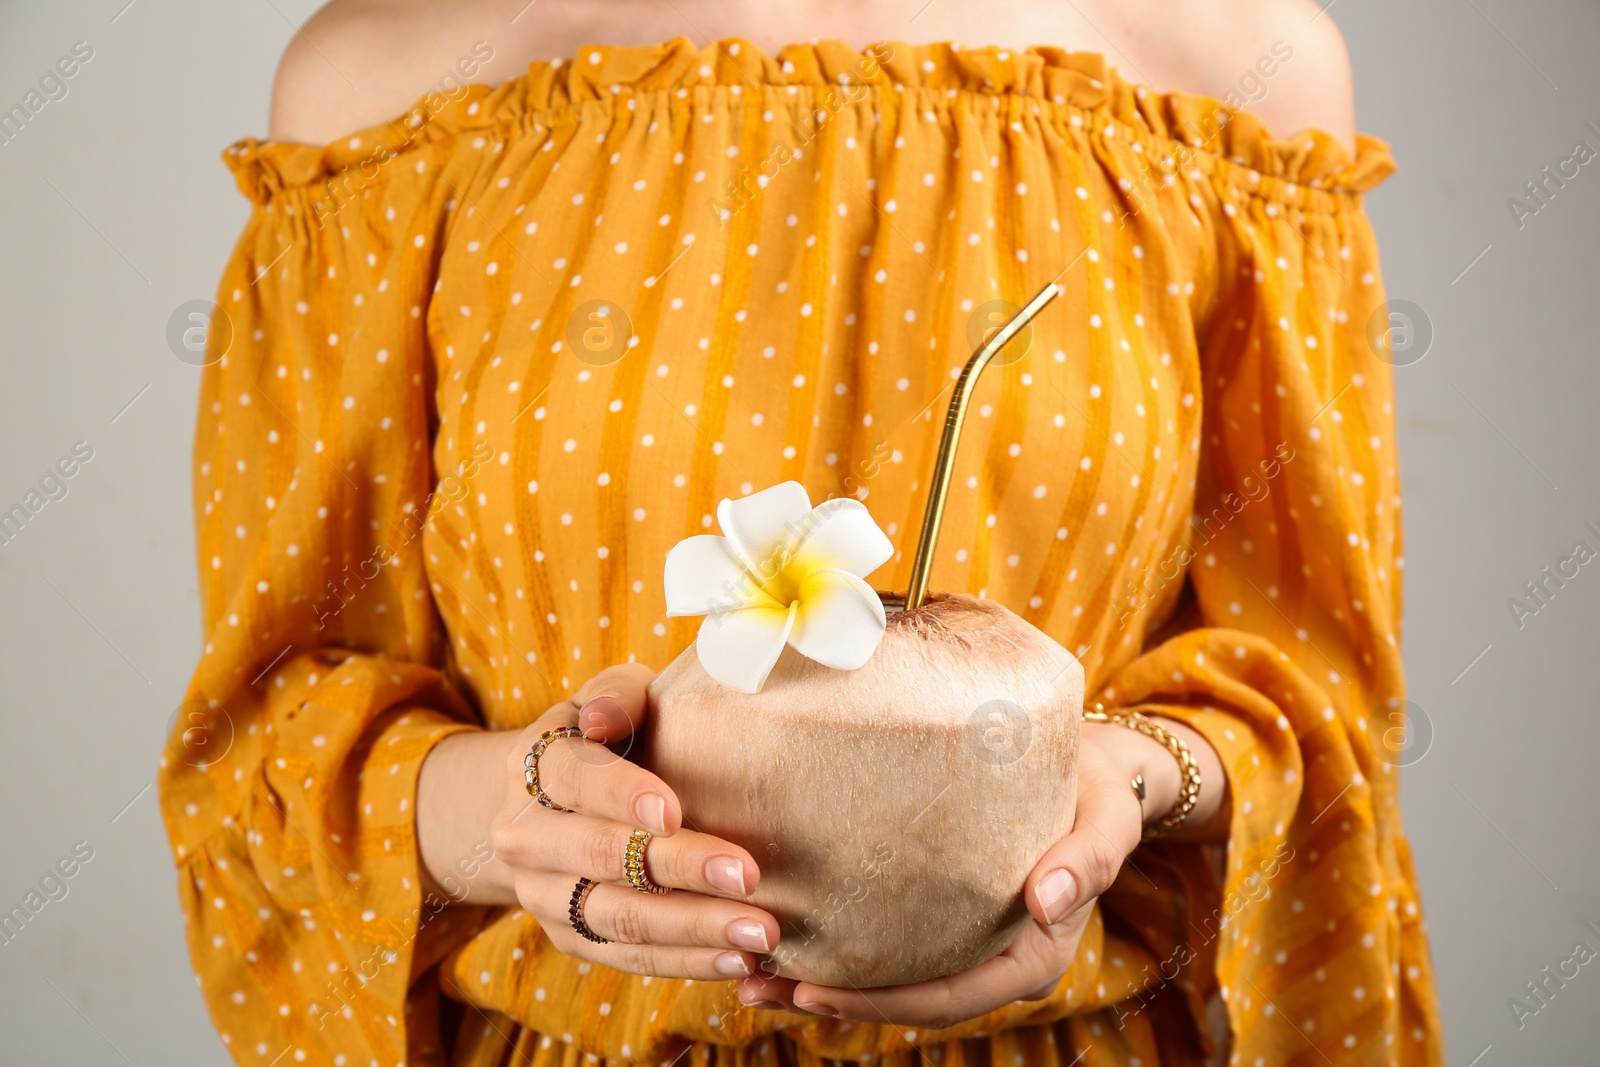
(1286, 63)
(357, 63)
(1283, 61)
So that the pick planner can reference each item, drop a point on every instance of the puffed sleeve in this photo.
(1285, 655)
(288, 784)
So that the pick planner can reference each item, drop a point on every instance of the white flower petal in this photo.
(840, 620)
(738, 648)
(762, 526)
(840, 533)
(703, 575)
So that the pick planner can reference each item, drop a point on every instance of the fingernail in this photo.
(1056, 891)
(816, 1008)
(753, 1000)
(651, 811)
(590, 717)
(726, 874)
(750, 935)
(731, 964)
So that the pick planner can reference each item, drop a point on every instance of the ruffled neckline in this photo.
(1040, 79)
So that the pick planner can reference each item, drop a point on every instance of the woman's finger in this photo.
(1031, 962)
(597, 849)
(700, 964)
(1082, 865)
(661, 961)
(763, 990)
(936, 1003)
(612, 705)
(628, 917)
(582, 775)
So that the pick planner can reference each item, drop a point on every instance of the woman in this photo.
(437, 473)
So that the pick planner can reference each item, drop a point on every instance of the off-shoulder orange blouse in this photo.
(489, 361)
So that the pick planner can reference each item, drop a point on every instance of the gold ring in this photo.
(580, 897)
(530, 763)
(633, 863)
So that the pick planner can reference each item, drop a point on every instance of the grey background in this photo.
(116, 210)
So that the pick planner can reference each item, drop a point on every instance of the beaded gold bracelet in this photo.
(1188, 793)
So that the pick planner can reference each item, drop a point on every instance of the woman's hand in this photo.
(701, 930)
(1060, 893)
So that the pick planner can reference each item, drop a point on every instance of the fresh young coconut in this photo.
(896, 775)
(895, 809)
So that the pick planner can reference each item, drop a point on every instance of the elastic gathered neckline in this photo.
(1080, 88)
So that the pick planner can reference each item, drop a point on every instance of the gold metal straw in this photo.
(944, 466)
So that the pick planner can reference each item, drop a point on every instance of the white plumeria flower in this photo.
(784, 573)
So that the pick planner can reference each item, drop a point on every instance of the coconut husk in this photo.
(894, 810)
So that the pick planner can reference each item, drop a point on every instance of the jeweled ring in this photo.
(580, 896)
(530, 763)
(633, 863)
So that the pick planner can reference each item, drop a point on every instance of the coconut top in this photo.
(952, 616)
(936, 663)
